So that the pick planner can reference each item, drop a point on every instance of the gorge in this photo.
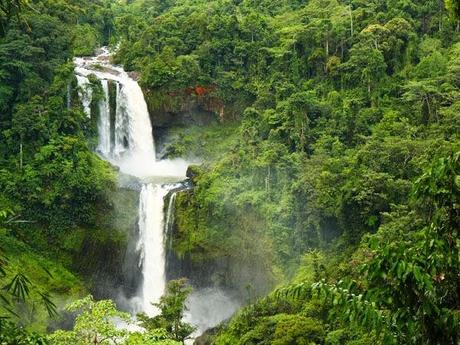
(125, 140)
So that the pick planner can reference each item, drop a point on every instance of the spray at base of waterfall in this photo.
(209, 307)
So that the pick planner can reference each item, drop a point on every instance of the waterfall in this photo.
(140, 129)
(170, 220)
(126, 141)
(103, 125)
(150, 245)
(133, 151)
(121, 124)
(85, 93)
(69, 96)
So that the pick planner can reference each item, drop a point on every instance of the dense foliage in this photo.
(401, 286)
(51, 183)
(95, 325)
(171, 309)
(412, 270)
(47, 166)
(344, 104)
(341, 106)
(335, 163)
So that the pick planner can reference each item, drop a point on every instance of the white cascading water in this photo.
(151, 244)
(131, 148)
(69, 96)
(133, 151)
(85, 93)
(121, 124)
(170, 220)
(103, 125)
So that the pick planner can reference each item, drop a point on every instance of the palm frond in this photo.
(19, 287)
(48, 303)
(298, 291)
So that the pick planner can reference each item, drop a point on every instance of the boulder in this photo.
(193, 171)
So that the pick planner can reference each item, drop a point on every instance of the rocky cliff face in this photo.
(195, 106)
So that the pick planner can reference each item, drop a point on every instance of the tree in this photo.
(13, 335)
(410, 291)
(454, 8)
(100, 323)
(94, 324)
(18, 287)
(172, 307)
(426, 94)
(10, 9)
(367, 64)
(329, 21)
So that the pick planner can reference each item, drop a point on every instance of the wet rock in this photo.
(193, 171)
(182, 108)
(207, 337)
(134, 75)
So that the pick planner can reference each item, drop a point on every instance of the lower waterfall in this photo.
(151, 244)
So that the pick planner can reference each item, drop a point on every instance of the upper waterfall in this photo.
(103, 125)
(85, 93)
(124, 127)
(130, 138)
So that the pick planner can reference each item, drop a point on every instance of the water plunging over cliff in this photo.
(103, 125)
(132, 133)
(151, 244)
(126, 140)
(85, 93)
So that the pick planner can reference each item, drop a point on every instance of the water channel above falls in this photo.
(125, 140)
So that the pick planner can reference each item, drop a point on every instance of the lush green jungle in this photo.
(330, 175)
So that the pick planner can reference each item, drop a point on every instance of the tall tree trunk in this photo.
(441, 14)
(20, 156)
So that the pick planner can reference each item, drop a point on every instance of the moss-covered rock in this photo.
(202, 143)
(216, 249)
(98, 253)
(182, 108)
(193, 172)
